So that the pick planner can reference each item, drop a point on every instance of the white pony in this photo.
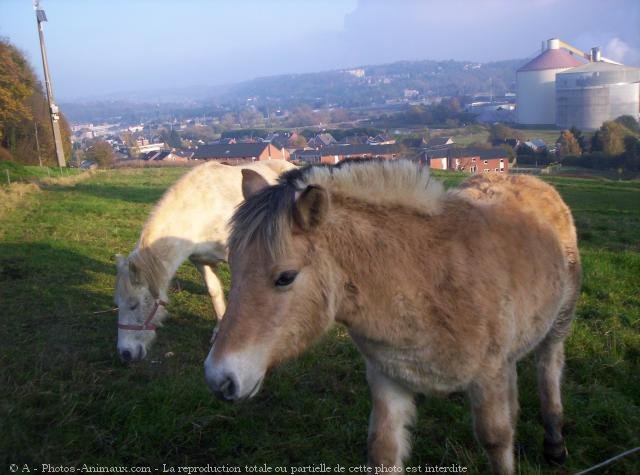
(189, 222)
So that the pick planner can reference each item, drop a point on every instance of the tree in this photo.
(17, 83)
(228, 121)
(339, 115)
(580, 138)
(101, 153)
(249, 117)
(632, 153)
(171, 138)
(298, 141)
(629, 122)
(568, 145)
(24, 111)
(610, 138)
(500, 133)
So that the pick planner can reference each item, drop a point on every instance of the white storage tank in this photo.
(596, 92)
(535, 84)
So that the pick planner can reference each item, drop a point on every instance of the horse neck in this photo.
(162, 254)
(361, 238)
(160, 263)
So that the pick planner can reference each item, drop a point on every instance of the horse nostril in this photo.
(228, 389)
(126, 355)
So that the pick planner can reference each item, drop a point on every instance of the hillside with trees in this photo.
(25, 125)
(303, 94)
(380, 83)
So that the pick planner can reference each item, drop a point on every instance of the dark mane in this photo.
(266, 217)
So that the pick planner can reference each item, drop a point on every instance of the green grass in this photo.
(14, 172)
(477, 134)
(66, 398)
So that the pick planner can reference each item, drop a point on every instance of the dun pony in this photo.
(189, 222)
(441, 291)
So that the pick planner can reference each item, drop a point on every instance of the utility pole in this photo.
(53, 108)
(35, 127)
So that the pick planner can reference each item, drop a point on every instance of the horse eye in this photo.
(133, 307)
(286, 278)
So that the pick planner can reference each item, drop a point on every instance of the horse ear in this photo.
(135, 276)
(252, 182)
(311, 207)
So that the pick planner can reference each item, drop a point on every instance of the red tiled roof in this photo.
(552, 59)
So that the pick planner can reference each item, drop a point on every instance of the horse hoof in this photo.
(555, 454)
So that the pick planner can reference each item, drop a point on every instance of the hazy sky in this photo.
(97, 47)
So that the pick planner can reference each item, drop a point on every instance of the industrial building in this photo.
(536, 84)
(566, 87)
(598, 91)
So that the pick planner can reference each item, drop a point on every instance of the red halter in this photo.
(147, 325)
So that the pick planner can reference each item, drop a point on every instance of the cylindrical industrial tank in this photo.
(535, 84)
(591, 94)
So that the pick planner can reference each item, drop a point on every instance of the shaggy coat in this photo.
(441, 291)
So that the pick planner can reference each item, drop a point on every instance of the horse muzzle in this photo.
(132, 354)
(230, 384)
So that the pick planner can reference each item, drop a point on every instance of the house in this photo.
(307, 155)
(537, 145)
(279, 140)
(239, 153)
(439, 142)
(470, 160)
(357, 139)
(437, 159)
(413, 142)
(163, 156)
(337, 153)
(381, 139)
(148, 147)
(322, 140)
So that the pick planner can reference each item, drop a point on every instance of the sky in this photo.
(101, 47)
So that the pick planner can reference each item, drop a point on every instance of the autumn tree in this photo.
(580, 138)
(567, 145)
(500, 133)
(610, 138)
(17, 82)
(101, 153)
(24, 111)
(298, 141)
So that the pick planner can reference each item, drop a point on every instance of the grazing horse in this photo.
(189, 222)
(440, 291)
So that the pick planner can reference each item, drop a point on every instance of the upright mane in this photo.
(266, 217)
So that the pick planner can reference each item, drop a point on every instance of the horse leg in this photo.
(550, 359)
(393, 411)
(494, 416)
(214, 287)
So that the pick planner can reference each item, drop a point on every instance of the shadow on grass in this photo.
(50, 292)
(133, 194)
(65, 395)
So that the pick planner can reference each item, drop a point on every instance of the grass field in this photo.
(479, 134)
(65, 398)
(12, 172)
